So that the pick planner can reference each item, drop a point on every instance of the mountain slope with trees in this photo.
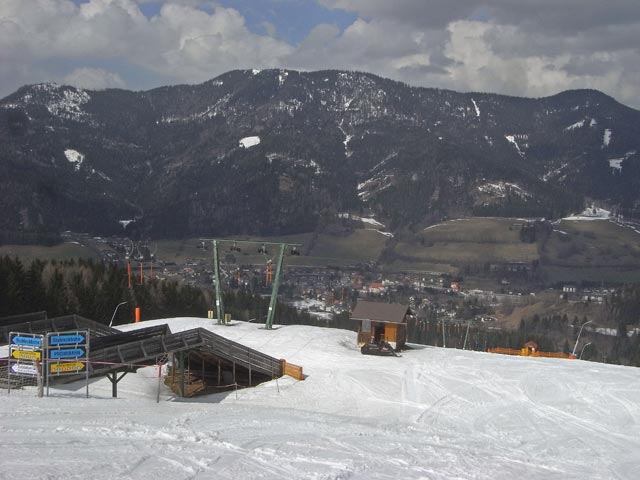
(330, 141)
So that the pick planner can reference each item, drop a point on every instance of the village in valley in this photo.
(330, 293)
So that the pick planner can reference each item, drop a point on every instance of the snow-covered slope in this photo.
(430, 414)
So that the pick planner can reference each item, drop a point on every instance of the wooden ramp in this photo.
(136, 351)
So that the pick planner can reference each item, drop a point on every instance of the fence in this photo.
(525, 352)
(20, 385)
(292, 370)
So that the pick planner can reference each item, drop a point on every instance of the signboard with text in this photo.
(67, 352)
(25, 353)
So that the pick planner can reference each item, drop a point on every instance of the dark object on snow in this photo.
(381, 348)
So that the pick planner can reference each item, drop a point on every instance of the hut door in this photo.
(391, 332)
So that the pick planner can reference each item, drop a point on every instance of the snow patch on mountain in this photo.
(218, 108)
(347, 139)
(102, 175)
(553, 173)
(579, 124)
(384, 161)
(502, 189)
(616, 163)
(66, 102)
(75, 157)
(476, 107)
(62, 102)
(379, 182)
(367, 220)
(606, 139)
(591, 213)
(248, 142)
(593, 122)
(520, 147)
(282, 77)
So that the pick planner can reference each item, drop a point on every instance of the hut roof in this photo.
(380, 312)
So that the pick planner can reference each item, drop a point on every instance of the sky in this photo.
(432, 413)
(517, 47)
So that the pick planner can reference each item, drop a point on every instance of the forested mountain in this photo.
(173, 159)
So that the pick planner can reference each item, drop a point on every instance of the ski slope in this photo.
(431, 414)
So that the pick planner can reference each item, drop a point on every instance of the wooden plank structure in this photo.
(528, 350)
(203, 362)
(200, 357)
(381, 322)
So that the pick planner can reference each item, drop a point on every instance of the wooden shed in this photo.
(530, 347)
(381, 322)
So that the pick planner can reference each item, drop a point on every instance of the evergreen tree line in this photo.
(93, 289)
(90, 289)
(430, 332)
(552, 333)
(559, 333)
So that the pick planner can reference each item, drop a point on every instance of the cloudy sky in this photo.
(518, 47)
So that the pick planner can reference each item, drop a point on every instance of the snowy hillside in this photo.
(430, 414)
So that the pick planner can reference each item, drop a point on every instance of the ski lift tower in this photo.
(276, 282)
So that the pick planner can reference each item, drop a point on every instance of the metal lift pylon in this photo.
(274, 289)
(216, 268)
(276, 283)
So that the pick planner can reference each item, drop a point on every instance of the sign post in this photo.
(67, 354)
(25, 354)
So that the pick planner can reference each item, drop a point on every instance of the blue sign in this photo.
(65, 339)
(27, 341)
(67, 353)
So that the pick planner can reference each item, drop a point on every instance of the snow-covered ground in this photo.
(248, 142)
(315, 308)
(431, 414)
(74, 157)
(592, 213)
(367, 221)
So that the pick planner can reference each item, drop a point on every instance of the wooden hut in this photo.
(529, 348)
(381, 322)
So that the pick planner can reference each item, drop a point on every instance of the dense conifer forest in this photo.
(93, 290)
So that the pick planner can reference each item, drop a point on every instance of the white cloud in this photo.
(180, 44)
(93, 79)
(524, 47)
(528, 47)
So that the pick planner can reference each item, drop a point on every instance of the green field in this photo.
(358, 246)
(591, 251)
(592, 244)
(448, 246)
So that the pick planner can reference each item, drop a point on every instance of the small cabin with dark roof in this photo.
(381, 322)
(530, 347)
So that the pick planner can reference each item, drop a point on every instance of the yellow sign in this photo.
(25, 355)
(66, 367)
